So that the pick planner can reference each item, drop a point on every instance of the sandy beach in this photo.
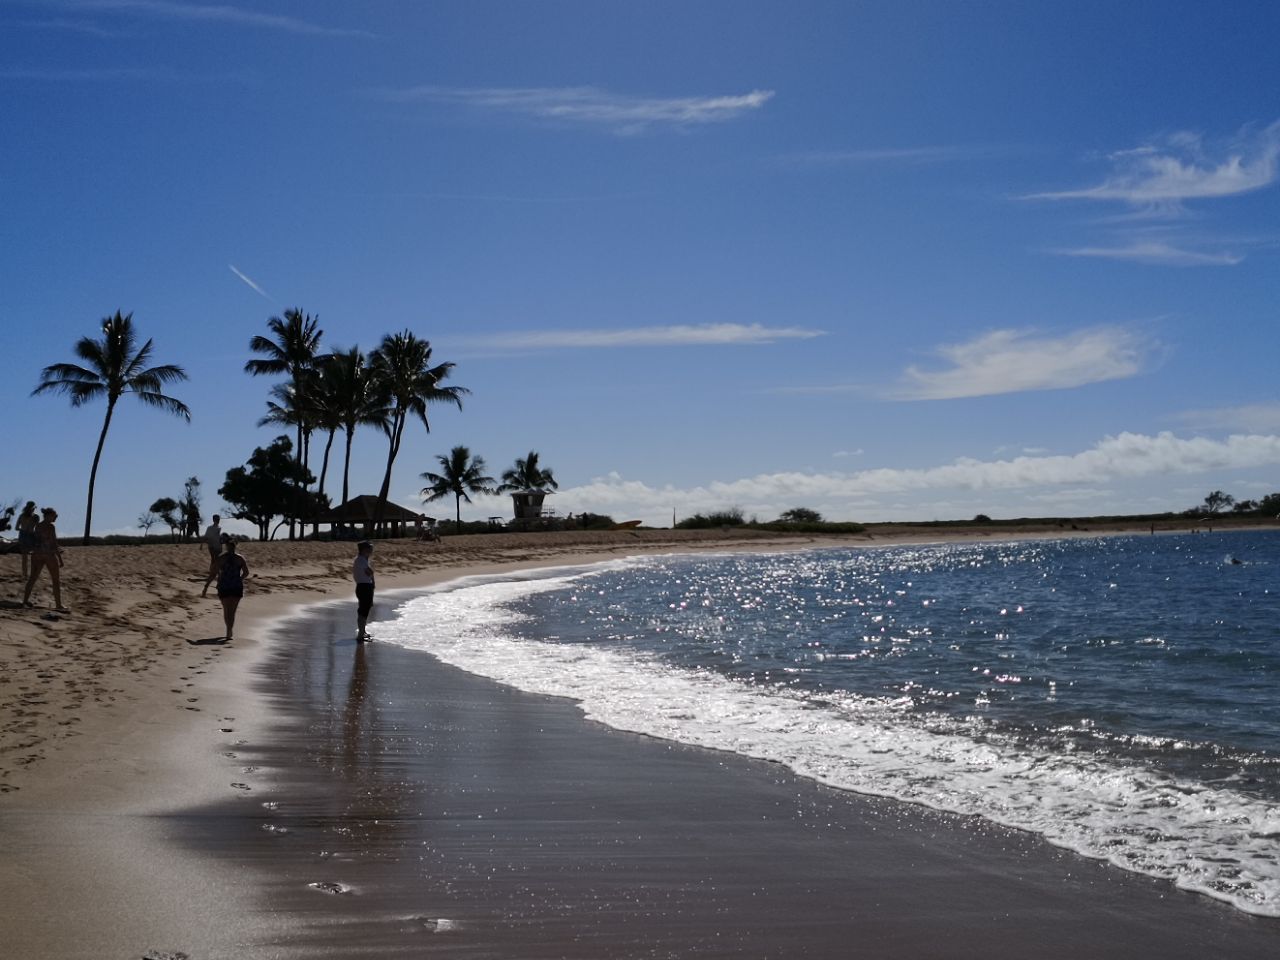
(163, 793)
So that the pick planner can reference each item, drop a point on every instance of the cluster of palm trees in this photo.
(342, 390)
(346, 389)
(461, 475)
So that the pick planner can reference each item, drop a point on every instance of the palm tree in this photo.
(461, 474)
(113, 368)
(406, 383)
(347, 397)
(295, 352)
(527, 477)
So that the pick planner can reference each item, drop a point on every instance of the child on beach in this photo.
(45, 552)
(362, 573)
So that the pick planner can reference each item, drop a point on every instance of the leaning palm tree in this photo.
(460, 474)
(294, 351)
(527, 477)
(113, 368)
(406, 383)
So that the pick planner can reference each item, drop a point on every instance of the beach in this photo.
(170, 794)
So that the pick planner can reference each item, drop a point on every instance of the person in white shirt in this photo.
(362, 573)
(213, 539)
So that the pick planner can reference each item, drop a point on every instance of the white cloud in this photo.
(589, 105)
(1012, 361)
(211, 13)
(668, 336)
(1249, 418)
(848, 453)
(876, 493)
(1159, 177)
(1156, 252)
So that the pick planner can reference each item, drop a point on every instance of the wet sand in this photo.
(451, 816)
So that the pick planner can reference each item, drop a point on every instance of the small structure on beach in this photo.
(358, 513)
(528, 504)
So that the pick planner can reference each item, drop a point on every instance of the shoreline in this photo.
(140, 718)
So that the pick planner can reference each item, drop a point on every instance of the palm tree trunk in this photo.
(93, 472)
(346, 469)
(324, 469)
(457, 512)
(397, 427)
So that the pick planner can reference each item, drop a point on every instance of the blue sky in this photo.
(891, 261)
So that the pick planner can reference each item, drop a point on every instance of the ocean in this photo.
(1118, 696)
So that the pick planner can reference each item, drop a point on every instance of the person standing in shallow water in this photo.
(362, 573)
(232, 570)
(45, 552)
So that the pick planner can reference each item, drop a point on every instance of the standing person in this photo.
(46, 553)
(362, 573)
(232, 570)
(26, 527)
(213, 539)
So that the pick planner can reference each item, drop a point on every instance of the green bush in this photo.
(721, 518)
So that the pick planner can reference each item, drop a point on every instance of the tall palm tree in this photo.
(113, 368)
(348, 396)
(406, 384)
(460, 474)
(294, 351)
(527, 476)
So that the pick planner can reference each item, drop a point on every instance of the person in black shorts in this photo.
(362, 573)
(232, 570)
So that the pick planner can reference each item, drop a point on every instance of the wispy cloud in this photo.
(1158, 253)
(588, 105)
(1251, 418)
(1013, 361)
(711, 334)
(211, 13)
(69, 25)
(86, 74)
(248, 282)
(1125, 456)
(899, 155)
(1159, 177)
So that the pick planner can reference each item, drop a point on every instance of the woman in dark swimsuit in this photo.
(231, 573)
(45, 552)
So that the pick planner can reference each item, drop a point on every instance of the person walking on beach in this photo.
(213, 539)
(362, 573)
(232, 571)
(46, 553)
(26, 527)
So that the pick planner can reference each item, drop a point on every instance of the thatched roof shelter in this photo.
(360, 512)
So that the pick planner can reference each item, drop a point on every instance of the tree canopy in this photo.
(271, 484)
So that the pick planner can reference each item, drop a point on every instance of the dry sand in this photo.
(120, 715)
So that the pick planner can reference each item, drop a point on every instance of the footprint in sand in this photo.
(241, 786)
(329, 886)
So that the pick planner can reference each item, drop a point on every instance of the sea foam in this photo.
(1201, 837)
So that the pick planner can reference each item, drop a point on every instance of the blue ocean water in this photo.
(1119, 696)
